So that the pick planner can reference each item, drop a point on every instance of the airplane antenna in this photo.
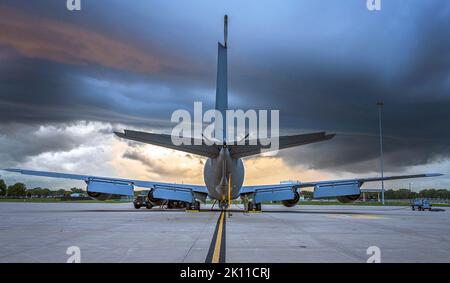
(225, 30)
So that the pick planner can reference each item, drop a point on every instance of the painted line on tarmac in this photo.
(362, 216)
(216, 252)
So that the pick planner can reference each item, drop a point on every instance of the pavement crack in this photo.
(198, 237)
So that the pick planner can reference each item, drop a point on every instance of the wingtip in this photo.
(12, 170)
(434, 174)
(119, 134)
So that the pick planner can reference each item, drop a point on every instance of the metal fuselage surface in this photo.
(224, 176)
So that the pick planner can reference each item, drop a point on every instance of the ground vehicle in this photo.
(421, 204)
(142, 200)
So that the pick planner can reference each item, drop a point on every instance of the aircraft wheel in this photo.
(197, 205)
(149, 205)
(137, 206)
(250, 206)
(258, 207)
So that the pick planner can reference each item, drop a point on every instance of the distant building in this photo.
(371, 190)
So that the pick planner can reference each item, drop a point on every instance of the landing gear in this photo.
(195, 205)
(251, 206)
(138, 203)
(223, 205)
(175, 204)
(142, 201)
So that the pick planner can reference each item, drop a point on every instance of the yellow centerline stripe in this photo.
(216, 255)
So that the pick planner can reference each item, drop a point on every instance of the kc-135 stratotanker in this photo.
(224, 169)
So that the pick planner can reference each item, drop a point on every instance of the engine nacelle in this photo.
(100, 196)
(292, 202)
(105, 189)
(348, 199)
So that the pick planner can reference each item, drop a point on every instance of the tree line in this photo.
(402, 194)
(21, 190)
(426, 193)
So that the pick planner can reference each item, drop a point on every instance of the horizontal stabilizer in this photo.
(254, 147)
(166, 141)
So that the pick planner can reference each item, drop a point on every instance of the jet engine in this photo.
(348, 199)
(292, 202)
(105, 190)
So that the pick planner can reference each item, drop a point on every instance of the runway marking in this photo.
(216, 252)
(357, 216)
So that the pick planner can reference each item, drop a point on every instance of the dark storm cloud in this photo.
(36, 140)
(323, 68)
(39, 92)
(360, 153)
(54, 70)
(340, 95)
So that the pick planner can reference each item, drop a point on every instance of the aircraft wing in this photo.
(361, 181)
(118, 186)
(322, 189)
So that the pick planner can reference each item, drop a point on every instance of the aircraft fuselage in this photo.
(222, 171)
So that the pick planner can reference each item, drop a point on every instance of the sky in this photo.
(68, 79)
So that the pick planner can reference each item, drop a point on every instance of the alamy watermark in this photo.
(73, 5)
(235, 125)
(373, 5)
(75, 254)
(375, 254)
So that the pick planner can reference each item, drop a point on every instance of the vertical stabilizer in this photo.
(222, 78)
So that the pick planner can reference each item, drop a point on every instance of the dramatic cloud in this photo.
(323, 64)
(160, 166)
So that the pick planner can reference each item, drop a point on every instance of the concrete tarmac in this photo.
(42, 232)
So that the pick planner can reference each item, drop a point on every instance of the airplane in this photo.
(223, 170)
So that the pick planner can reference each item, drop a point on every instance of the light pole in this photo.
(410, 189)
(380, 106)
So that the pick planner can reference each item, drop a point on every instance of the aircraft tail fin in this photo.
(222, 78)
